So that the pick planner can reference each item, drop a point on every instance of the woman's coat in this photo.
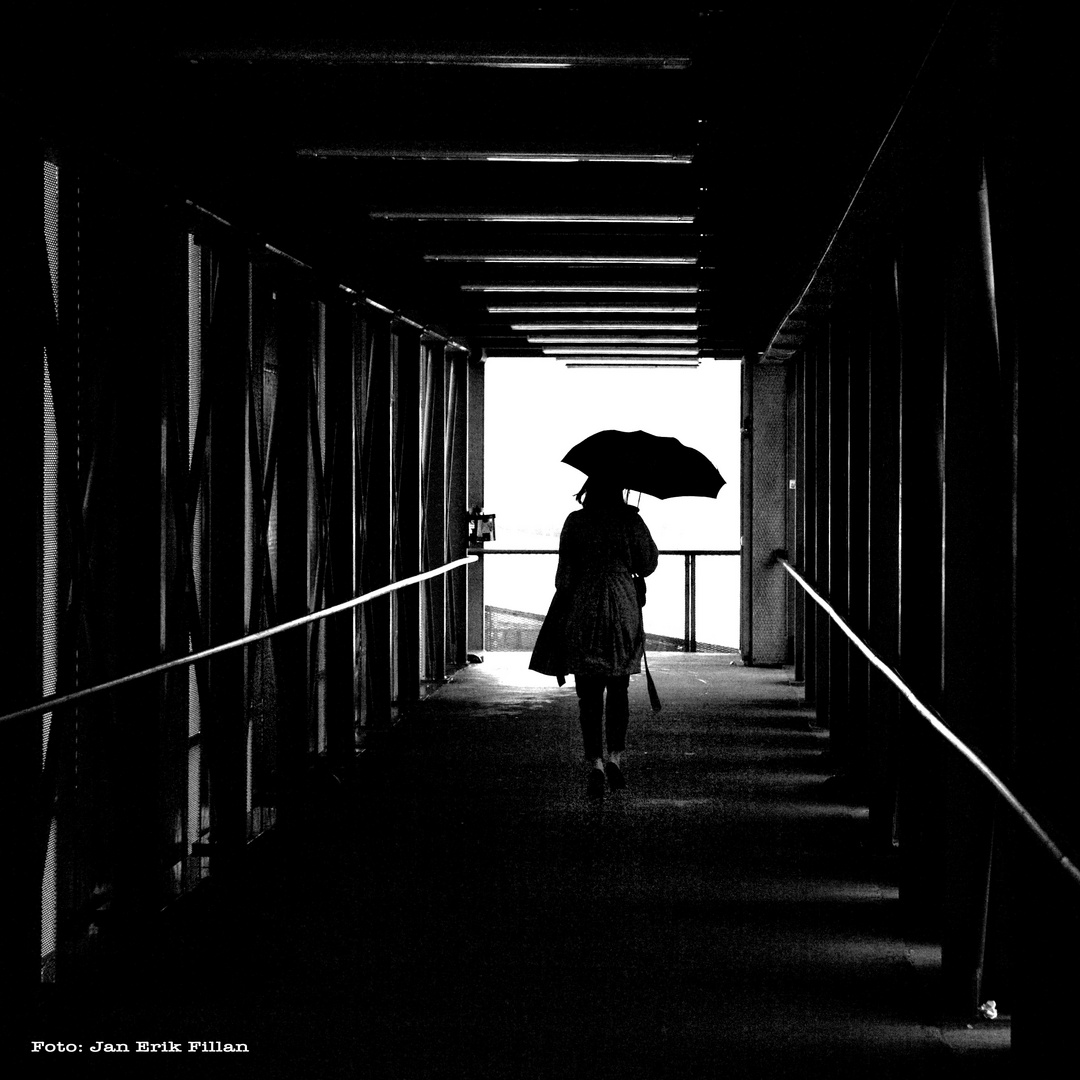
(594, 625)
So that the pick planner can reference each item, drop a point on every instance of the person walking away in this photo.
(593, 629)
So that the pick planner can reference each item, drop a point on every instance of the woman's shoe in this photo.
(595, 787)
(615, 776)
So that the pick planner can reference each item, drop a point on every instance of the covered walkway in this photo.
(721, 917)
(256, 793)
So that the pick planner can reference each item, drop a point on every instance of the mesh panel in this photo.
(263, 700)
(48, 910)
(318, 527)
(195, 307)
(195, 805)
(50, 565)
(195, 865)
(507, 630)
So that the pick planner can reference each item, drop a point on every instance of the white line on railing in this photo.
(555, 551)
(939, 725)
(185, 661)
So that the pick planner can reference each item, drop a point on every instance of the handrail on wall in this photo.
(57, 701)
(936, 723)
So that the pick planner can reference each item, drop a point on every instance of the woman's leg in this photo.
(590, 692)
(617, 712)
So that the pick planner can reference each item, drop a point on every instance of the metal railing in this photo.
(690, 557)
(937, 723)
(58, 701)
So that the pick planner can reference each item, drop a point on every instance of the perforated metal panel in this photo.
(50, 565)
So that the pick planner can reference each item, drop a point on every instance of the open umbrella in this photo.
(657, 465)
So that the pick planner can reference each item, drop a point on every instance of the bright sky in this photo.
(536, 409)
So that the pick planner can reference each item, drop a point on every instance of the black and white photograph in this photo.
(530, 532)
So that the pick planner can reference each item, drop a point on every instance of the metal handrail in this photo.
(937, 724)
(555, 551)
(690, 556)
(57, 701)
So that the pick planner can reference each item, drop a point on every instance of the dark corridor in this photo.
(258, 788)
(720, 917)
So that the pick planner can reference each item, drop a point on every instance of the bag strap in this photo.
(654, 697)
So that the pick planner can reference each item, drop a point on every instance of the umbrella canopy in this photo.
(657, 465)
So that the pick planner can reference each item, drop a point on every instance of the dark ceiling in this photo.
(661, 180)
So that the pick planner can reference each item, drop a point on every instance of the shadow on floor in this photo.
(459, 909)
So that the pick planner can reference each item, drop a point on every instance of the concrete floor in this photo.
(468, 913)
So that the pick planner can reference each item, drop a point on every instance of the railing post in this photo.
(691, 567)
(686, 603)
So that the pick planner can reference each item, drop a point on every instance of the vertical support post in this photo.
(407, 489)
(919, 789)
(226, 350)
(807, 544)
(119, 433)
(341, 373)
(792, 535)
(690, 602)
(475, 407)
(883, 595)
(764, 580)
(746, 514)
(143, 336)
(295, 341)
(976, 524)
(858, 527)
(378, 517)
(839, 360)
(823, 688)
(435, 532)
(1028, 202)
(457, 520)
(686, 603)
(693, 603)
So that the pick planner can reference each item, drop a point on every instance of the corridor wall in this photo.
(930, 393)
(204, 439)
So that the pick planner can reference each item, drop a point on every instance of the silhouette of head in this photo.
(599, 492)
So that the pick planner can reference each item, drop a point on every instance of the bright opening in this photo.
(535, 410)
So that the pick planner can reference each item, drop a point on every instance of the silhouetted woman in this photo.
(593, 629)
